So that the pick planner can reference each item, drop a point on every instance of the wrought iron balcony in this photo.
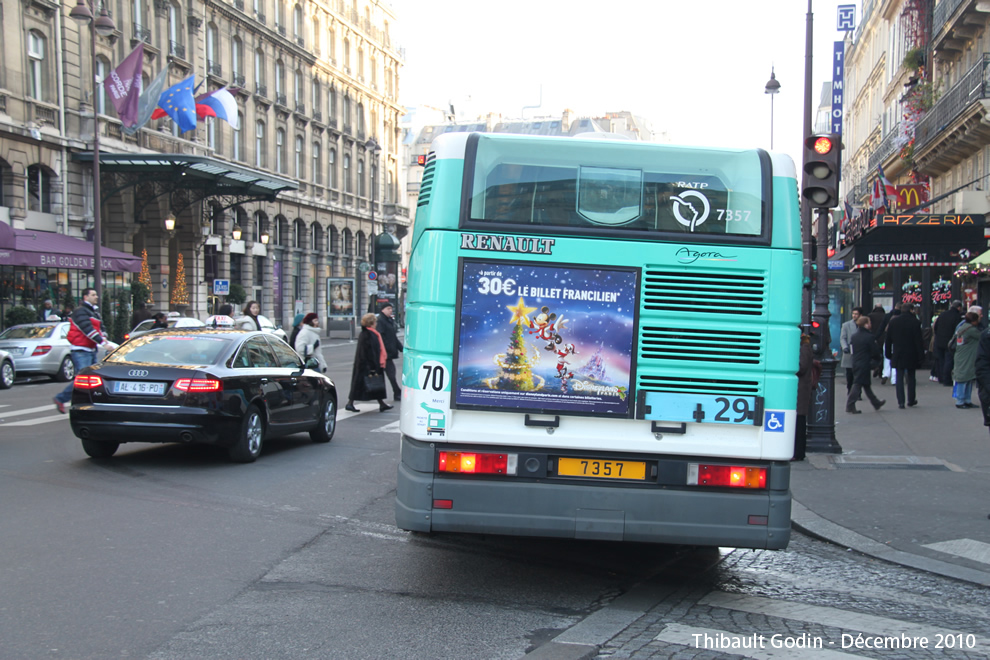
(281, 30)
(259, 17)
(317, 116)
(300, 41)
(893, 142)
(214, 69)
(177, 49)
(142, 34)
(239, 5)
(261, 90)
(300, 108)
(281, 100)
(239, 80)
(973, 87)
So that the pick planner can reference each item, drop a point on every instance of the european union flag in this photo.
(180, 105)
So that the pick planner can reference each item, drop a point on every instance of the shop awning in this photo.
(45, 249)
(982, 260)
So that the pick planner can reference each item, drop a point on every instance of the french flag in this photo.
(223, 105)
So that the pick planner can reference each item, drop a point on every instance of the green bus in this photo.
(605, 334)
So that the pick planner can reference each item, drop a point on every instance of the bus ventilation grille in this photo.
(426, 185)
(718, 293)
(700, 385)
(701, 345)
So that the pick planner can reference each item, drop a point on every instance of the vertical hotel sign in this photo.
(846, 22)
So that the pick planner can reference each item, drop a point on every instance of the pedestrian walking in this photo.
(393, 346)
(86, 336)
(905, 349)
(161, 321)
(249, 320)
(142, 313)
(944, 328)
(308, 341)
(865, 354)
(296, 326)
(877, 326)
(845, 334)
(48, 313)
(965, 341)
(369, 360)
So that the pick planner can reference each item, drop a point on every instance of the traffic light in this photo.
(822, 166)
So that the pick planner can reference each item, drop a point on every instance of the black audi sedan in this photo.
(228, 388)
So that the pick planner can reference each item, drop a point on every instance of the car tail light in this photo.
(127, 336)
(476, 462)
(198, 385)
(732, 476)
(87, 382)
(41, 350)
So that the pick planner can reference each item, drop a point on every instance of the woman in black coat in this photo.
(369, 358)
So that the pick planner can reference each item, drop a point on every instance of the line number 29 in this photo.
(434, 376)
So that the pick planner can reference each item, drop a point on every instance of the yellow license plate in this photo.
(599, 469)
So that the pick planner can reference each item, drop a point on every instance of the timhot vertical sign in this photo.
(838, 69)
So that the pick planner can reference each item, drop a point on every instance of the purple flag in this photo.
(124, 86)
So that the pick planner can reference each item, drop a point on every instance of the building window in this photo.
(211, 133)
(212, 40)
(297, 22)
(280, 150)
(298, 88)
(347, 55)
(238, 138)
(36, 65)
(374, 71)
(300, 162)
(102, 69)
(317, 163)
(316, 95)
(332, 104)
(331, 45)
(332, 169)
(360, 119)
(280, 14)
(236, 60)
(347, 110)
(314, 237)
(360, 177)
(279, 77)
(297, 238)
(175, 32)
(39, 186)
(259, 145)
(257, 227)
(348, 187)
(259, 66)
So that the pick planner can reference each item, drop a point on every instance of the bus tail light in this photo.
(732, 476)
(87, 382)
(476, 462)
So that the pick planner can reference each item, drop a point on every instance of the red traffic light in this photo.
(823, 145)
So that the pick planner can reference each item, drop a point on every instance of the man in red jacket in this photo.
(85, 335)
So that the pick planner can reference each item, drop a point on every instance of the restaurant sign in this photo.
(929, 220)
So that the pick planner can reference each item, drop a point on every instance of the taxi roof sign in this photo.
(220, 321)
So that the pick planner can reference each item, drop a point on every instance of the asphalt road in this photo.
(173, 552)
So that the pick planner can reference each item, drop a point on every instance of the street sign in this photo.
(372, 276)
(364, 266)
(221, 287)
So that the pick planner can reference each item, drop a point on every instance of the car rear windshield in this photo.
(28, 332)
(170, 350)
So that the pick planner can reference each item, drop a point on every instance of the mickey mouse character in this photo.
(562, 359)
(544, 325)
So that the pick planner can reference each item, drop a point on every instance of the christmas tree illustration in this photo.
(145, 277)
(516, 365)
(180, 295)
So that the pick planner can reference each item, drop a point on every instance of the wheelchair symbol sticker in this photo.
(773, 421)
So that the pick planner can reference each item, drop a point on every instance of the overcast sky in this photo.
(696, 69)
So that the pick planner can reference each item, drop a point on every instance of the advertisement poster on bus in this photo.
(340, 298)
(545, 338)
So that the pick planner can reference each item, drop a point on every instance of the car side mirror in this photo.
(311, 363)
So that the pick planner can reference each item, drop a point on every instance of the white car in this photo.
(144, 327)
(267, 326)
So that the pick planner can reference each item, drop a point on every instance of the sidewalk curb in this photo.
(810, 523)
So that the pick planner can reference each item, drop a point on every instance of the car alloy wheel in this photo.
(6, 375)
(66, 370)
(248, 446)
(327, 422)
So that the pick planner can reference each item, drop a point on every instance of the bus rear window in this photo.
(618, 186)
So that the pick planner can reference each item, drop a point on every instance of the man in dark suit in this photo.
(905, 349)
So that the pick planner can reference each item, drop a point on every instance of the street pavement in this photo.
(911, 486)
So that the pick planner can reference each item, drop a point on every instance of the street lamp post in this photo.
(374, 149)
(103, 26)
(772, 88)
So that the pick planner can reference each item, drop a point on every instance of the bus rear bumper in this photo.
(609, 512)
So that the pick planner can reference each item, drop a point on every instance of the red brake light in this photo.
(823, 145)
(475, 463)
(421, 159)
(732, 476)
(41, 350)
(87, 382)
(198, 385)
(127, 336)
